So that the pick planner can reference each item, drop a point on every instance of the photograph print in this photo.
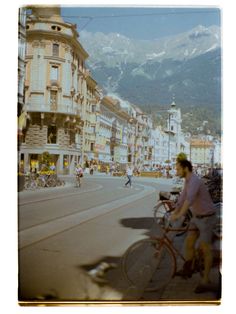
(119, 155)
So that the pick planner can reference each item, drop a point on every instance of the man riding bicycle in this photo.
(196, 197)
(79, 174)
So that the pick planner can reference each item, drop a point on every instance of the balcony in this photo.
(54, 85)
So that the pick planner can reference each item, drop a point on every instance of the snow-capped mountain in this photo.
(115, 48)
(149, 72)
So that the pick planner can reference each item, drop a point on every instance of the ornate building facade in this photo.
(58, 91)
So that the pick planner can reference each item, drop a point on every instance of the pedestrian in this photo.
(196, 197)
(129, 174)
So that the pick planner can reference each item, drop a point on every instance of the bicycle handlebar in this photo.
(174, 226)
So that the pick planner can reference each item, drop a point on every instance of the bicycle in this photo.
(155, 258)
(30, 182)
(78, 179)
(166, 204)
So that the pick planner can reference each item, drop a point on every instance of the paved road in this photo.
(66, 231)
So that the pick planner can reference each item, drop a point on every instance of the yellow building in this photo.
(201, 152)
(58, 91)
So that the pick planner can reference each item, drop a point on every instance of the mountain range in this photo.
(148, 73)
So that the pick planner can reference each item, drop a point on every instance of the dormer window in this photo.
(55, 28)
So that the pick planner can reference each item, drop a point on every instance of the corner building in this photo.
(55, 91)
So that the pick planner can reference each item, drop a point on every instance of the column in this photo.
(26, 163)
(72, 164)
(59, 165)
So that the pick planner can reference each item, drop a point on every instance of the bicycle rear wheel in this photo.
(149, 263)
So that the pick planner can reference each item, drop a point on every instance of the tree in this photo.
(45, 160)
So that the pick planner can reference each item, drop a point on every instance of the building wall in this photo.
(55, 88)
(202, 152)
(21, 57)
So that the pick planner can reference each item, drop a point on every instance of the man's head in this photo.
(183, 168)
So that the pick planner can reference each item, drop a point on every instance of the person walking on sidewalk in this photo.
(129, 173)
(196, 197)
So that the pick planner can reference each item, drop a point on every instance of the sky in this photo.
(141, 22)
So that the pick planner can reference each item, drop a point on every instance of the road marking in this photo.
(40, 232)
(48, 198)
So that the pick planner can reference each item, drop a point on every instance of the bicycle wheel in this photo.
(149, 263)
(160, 211)
(161, 217)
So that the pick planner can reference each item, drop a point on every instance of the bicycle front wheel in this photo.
(160, 211)
(149, 263)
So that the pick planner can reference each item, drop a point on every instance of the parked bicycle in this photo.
(157, 258)
(166, 204)
(36, 181)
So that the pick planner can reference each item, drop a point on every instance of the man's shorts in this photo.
(205, 226)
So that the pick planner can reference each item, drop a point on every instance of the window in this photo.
(55, 28)
(55, 50)
(53, 100)
(52, 134)
(54, 73)
(91, 147)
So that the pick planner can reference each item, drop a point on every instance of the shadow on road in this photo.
(147, 223)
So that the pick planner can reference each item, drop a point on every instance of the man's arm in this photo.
(176, 214)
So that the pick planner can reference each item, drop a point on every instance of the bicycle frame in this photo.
(165, 240)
